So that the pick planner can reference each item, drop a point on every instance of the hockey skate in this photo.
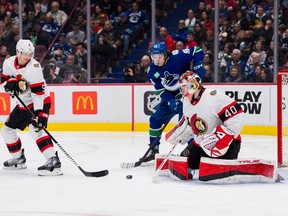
(52, 167)
(16, 163)
(150, 157)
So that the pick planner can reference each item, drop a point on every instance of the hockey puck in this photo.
(129, 177)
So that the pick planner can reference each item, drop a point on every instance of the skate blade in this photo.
(18, 167)
(55, 172)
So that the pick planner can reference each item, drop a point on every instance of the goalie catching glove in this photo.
(181, 132)
(217, 143)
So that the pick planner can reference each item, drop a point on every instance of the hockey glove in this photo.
(11, 87)
(199, 69)
(217, 143)
(40, 121)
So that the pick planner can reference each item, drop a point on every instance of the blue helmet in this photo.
(159, 48)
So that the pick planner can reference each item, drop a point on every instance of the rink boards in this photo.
(124, 107)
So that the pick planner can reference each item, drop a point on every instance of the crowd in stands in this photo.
(245, 37)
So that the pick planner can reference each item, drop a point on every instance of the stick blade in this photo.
(94, 174)
(130, 165)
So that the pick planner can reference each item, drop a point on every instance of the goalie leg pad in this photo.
(237, 171)
(178, 168)
(159, 158)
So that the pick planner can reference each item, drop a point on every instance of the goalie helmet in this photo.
(25, 46)
(189, 82)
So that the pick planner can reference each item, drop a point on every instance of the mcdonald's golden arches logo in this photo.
(4, 104)
(84, 102)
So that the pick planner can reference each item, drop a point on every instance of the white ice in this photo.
(24, 193)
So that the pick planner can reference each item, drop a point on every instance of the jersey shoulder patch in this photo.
(213, 93)
(175, 52)
(37, 65)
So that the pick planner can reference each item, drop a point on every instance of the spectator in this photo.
(51, 72)
(234, 74)
(135, 73)
(179, 45)
(110, 34)
(223, 57)
(45, 6)
(76, 35)
(38, 36)
(81, 55)
(181, 33)
(58, 15)
(250, 68)
(200, 33)
(259, 48)
(167, 39)
(58, 55)
(246, 45)
(3, 52)
(120, 29)
(266, 32)
(6, 4)
(49, 25)
(27, 25)
(115, 15)
(101, 52)
(190, 41)
(72, 73)
(145, 63)
(65, 6)
(208, 76)
(36, 14)
(236, 60)
(63, 43)
(191, 20)
(200, 9)
(205, 21)
(266, 75)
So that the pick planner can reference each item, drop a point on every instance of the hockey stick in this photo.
(156, 174)
(88, 174)
(128, 165)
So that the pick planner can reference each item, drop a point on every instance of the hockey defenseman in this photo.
(164, 73)
(22, 75)
(212, 118)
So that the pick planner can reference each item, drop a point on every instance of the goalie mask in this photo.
(25, 46)
(189, 83)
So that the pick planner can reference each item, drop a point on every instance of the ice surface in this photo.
(24, 193)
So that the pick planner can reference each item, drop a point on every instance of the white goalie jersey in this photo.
(213, 108)
(36, 93)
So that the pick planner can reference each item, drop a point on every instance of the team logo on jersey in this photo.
(198, 125)
(156, 75)
(151, 100)
(36, 65)
(170, 81)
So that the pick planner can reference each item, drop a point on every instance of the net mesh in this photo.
(284, 120)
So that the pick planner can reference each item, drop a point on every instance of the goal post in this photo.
(282, 118)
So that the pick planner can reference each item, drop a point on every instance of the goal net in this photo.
(282, 118)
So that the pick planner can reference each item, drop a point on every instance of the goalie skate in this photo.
(52, 167)
(16, 163)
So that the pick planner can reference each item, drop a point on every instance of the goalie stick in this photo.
(88, 174)
(156, 174)
(129, 165)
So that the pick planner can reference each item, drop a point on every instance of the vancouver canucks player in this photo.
(165, 72)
